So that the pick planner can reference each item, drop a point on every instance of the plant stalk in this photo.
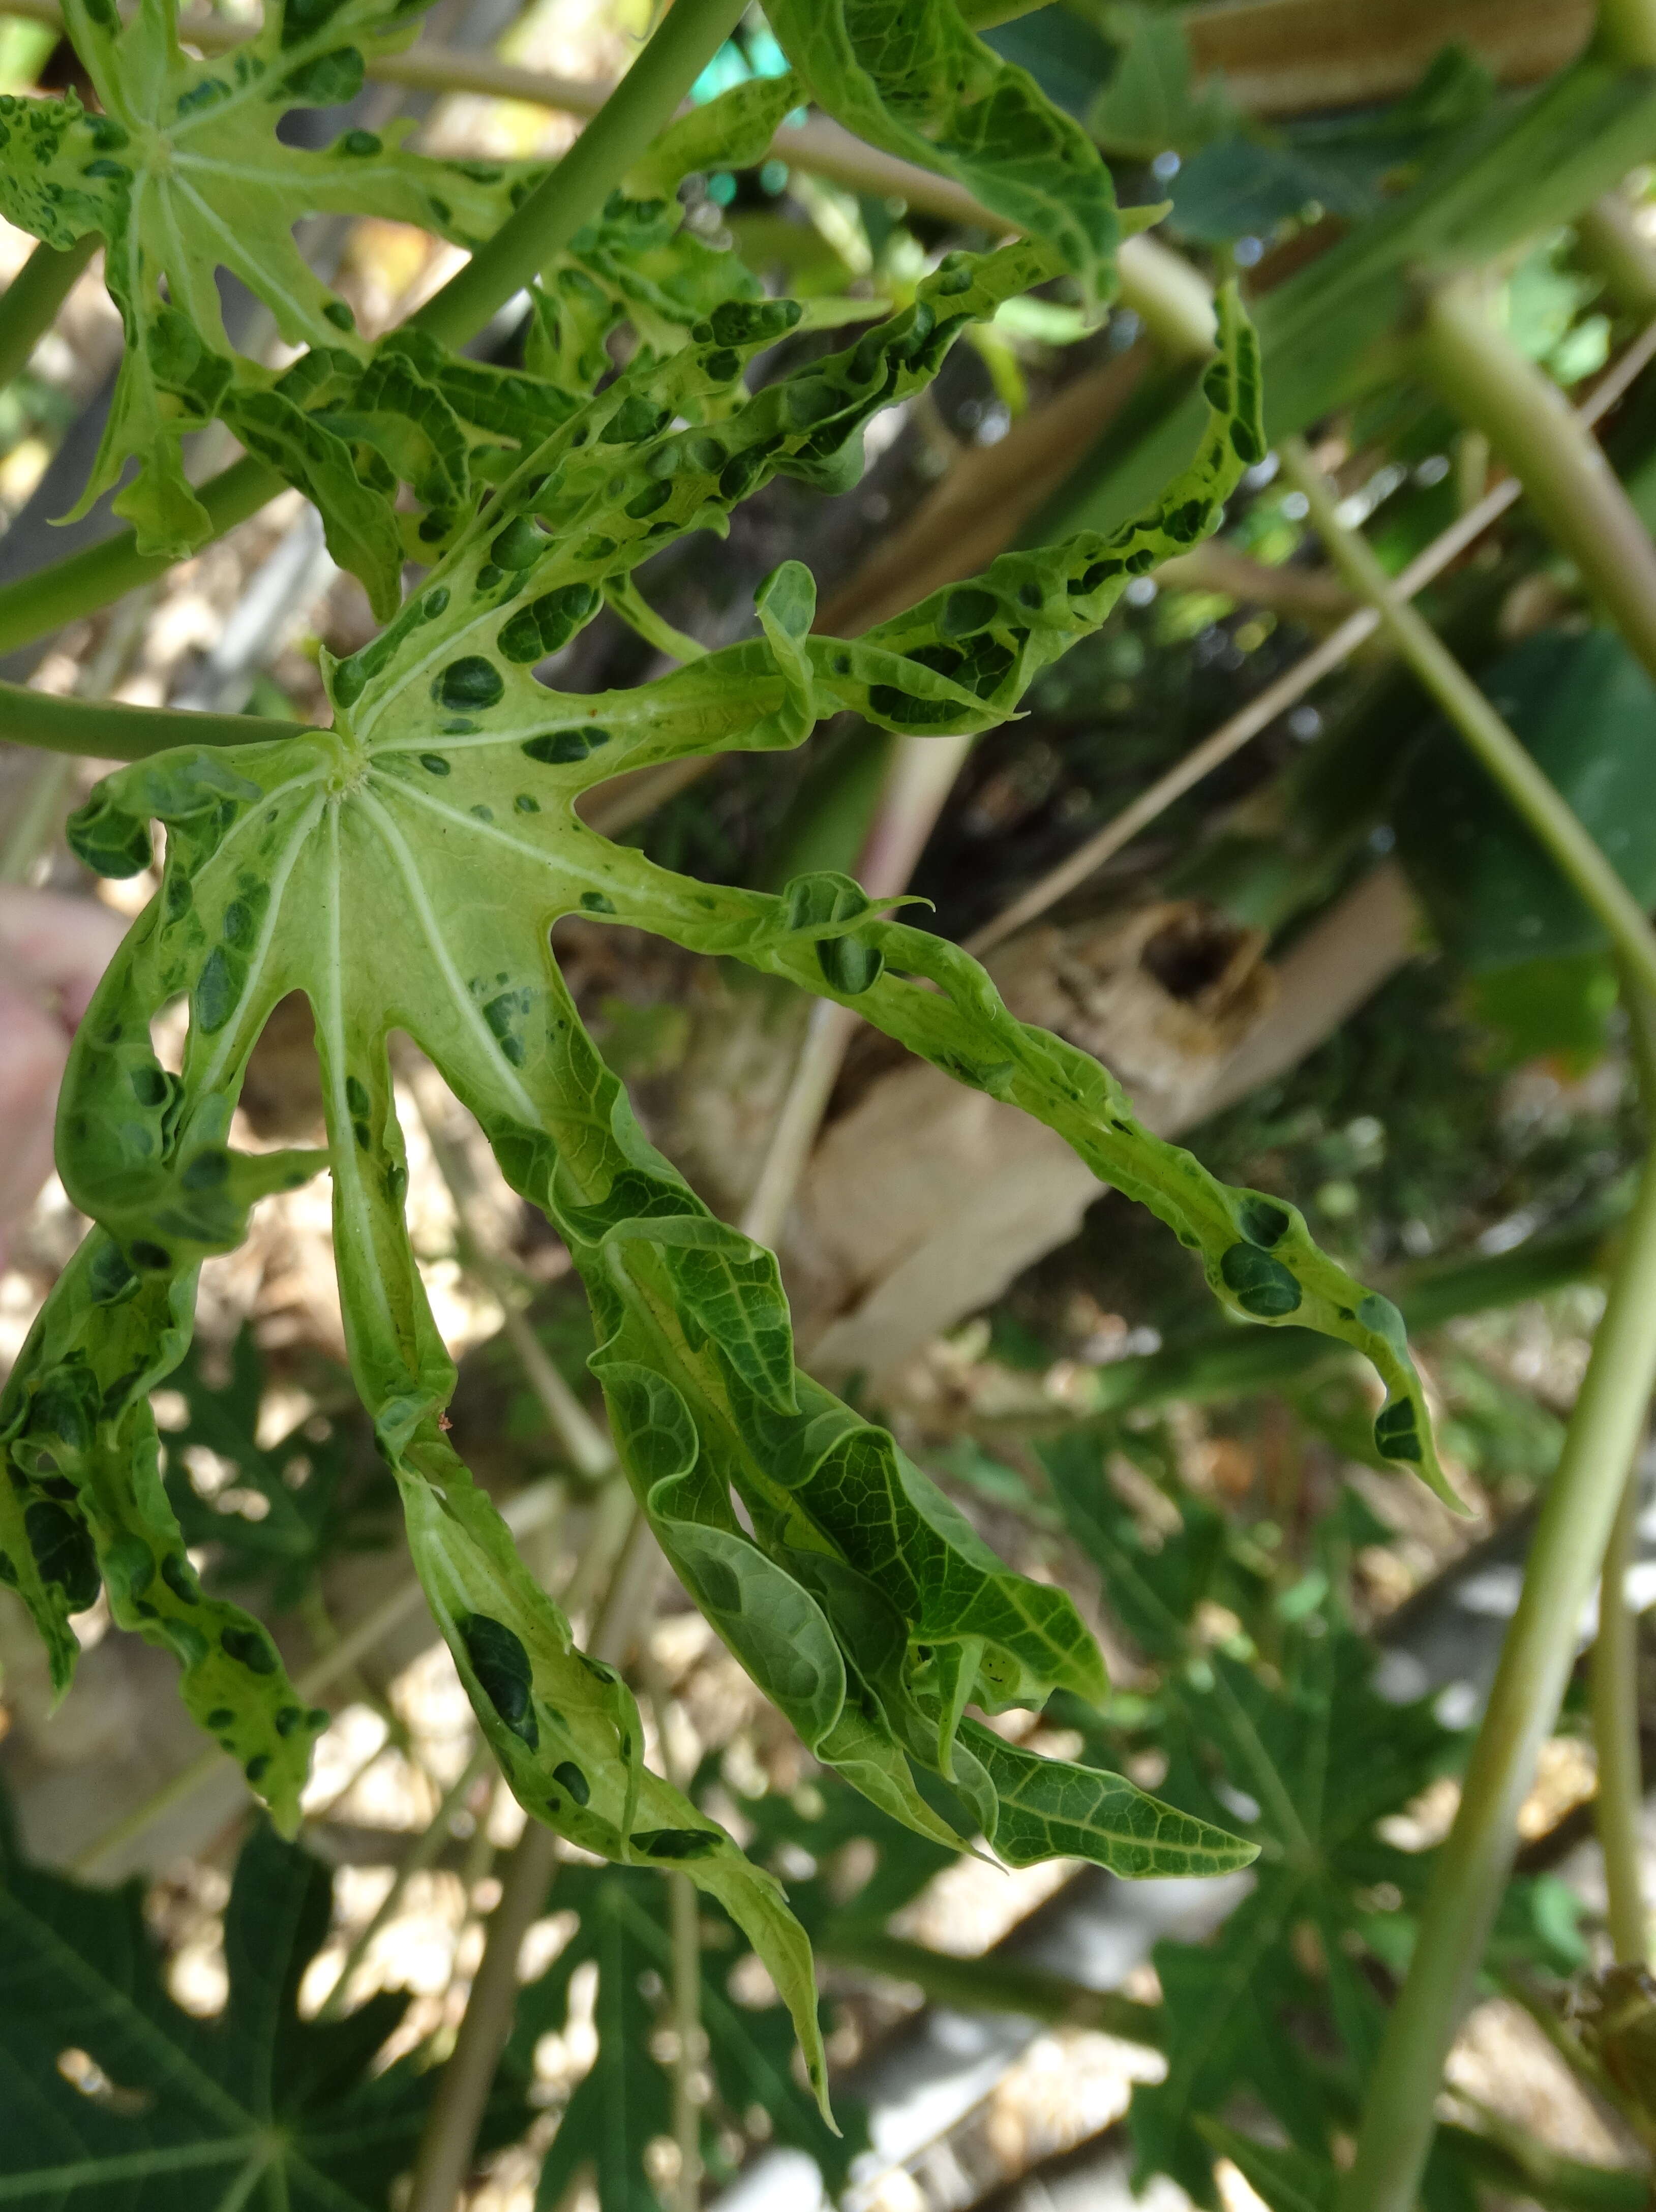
(993, 1982)
(448, 2142)
(1614, 247)
(1482, 376)
(1575, 854)
(99, 730)
(636, 111)
(29, 306)
(685, 1914)
(1627, 33)
(1613, 1699)
(1571, 1532)
(1613, 1676)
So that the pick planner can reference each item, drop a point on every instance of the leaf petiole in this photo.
(102, 731)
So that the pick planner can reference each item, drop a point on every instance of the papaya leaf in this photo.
(256, 2106)
(1048, 1808)
(624, 2102)
(183, 174)
(1309, 1760)
(1287, 2179)
(403, 870)
(909, 76)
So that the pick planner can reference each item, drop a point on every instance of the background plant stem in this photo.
(1627, 31)
(1613, 1695)
(93, 727)
(641, 106)
(1577, 856)
(1481, 374)
(33, 296)
(1473, 1866)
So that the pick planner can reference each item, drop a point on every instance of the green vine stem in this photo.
(1613, 1681)
(1488, 383)
(33, 298)
(36, 605)
(1613, 1696)
(685, 1919)
(636, 111)
(641, 106)
(1576, 856)
(1571, 1536)
(1613, 247)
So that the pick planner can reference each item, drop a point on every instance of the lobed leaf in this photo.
(256, 2106)
(182, 173)
(909, 76)
(403, 871)
(1052, 1809)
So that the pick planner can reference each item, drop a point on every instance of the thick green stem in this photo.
(641, 106)
(1577, 856)
(38, 604)
(685, 1913)
(638, 108)
(1614, 247)
(1613, 1681)
(1614, 1697)
(1571, 1533)
(1484, 377)
(33, 296)
(99, 731)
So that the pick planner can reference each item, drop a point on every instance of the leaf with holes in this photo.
(909, 76)
(402, 871)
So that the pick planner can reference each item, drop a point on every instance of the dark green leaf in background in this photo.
(116, 2099)
(1585, 711)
